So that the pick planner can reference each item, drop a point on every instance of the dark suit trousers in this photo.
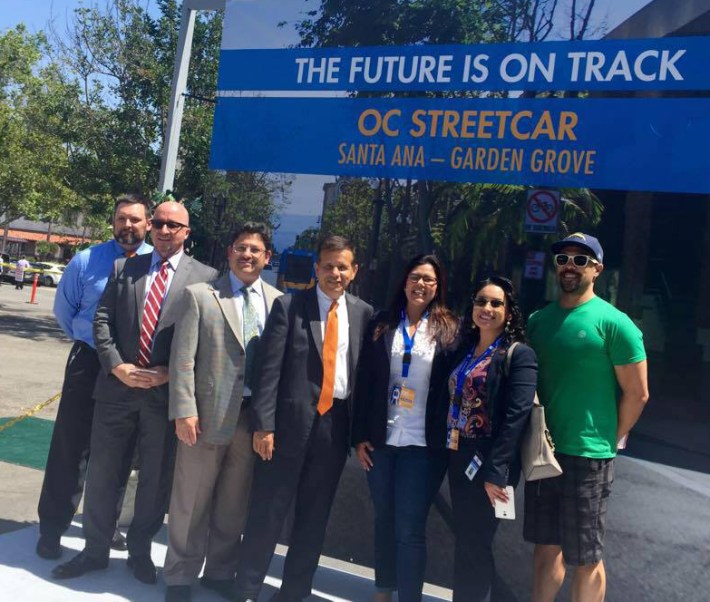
(312, 478)
(138, 417)
(69, 450)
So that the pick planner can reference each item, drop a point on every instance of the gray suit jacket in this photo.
(118, 318)
(207, 358)
(290, 371)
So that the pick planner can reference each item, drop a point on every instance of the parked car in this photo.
(50, 274)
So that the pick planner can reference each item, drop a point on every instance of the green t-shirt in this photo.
(577, 350)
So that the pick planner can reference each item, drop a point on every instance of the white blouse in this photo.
(407, 426)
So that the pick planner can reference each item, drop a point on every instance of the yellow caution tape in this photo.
(29, 413)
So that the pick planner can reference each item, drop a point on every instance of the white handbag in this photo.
(537, 450)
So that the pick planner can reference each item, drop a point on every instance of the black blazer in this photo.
(289, 368)
(510, 400)
(372, 391)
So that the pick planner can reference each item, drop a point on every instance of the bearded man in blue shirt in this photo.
(78, 295)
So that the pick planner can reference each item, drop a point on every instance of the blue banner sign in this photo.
(646, 64)
(627, 144)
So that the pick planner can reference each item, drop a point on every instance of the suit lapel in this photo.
(313, 314)
(141, 282)
(355, 327)
(270, 294)
(178, 283)
(225, 297)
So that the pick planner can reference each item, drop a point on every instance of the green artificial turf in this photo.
(26, 443)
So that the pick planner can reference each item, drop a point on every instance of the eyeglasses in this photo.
(482, 302)
(427, 280)
(581, 261)
(173, 227)
(243, 249)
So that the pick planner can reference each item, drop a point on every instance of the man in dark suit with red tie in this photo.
(302, 412)
(133, 330)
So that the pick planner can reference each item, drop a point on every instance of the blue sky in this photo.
(259, 30)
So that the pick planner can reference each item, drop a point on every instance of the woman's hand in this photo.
(362, 451)
(495, 493)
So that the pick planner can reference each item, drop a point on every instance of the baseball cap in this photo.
(585, 241)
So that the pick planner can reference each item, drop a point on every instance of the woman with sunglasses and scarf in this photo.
(489, 406)
(403, 366)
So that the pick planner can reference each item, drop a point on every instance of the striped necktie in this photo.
(151, 313)
(330, 352)
(251, 334)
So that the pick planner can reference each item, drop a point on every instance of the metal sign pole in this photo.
(179, 85)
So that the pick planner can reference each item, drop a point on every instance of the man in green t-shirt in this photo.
(593, 383)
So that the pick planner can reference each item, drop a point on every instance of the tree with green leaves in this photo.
(121, 57)
(33, 158)
(230, 199)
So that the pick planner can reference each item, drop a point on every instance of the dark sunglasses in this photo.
(581, 261)
(172, 226)
(482, 302)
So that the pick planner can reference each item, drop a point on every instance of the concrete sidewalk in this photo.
(24, 575)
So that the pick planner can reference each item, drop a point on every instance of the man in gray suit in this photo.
(211, 362)
(133, 330)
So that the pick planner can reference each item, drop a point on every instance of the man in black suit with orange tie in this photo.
(302, 413)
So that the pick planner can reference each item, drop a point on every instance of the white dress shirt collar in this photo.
(173, 260)
(237, 284)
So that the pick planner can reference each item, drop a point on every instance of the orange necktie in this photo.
(330, 351)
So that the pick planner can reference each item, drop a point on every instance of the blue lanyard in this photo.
(470, 363)
(408, 345)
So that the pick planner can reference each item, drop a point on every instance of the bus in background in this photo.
(296, 271)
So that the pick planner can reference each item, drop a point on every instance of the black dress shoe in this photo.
(226, 588)
(77, 566)
(143, 569)
(118, 542)
(178, 593)
(48, 547)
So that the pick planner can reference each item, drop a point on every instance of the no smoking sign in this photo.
(541, 211)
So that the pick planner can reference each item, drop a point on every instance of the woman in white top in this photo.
(403, 365)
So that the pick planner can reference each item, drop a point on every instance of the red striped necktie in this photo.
(151, 313)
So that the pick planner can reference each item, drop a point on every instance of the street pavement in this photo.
(658, 542)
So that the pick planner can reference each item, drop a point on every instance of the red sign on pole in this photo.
(541, 211)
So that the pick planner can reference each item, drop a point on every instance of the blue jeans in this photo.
(403, 482)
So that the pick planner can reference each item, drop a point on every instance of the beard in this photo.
(128, 238)
(570, 285)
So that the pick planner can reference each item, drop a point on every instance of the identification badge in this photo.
(406, 397)
(473, 466)
(452, 439)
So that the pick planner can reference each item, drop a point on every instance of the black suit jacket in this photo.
(117, 322)
(372, 392)
(510, 400)
(290, 367)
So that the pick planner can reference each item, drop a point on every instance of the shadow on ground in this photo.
(8, 526)
(26, 326)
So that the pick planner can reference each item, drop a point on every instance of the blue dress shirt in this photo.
(82, 285)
